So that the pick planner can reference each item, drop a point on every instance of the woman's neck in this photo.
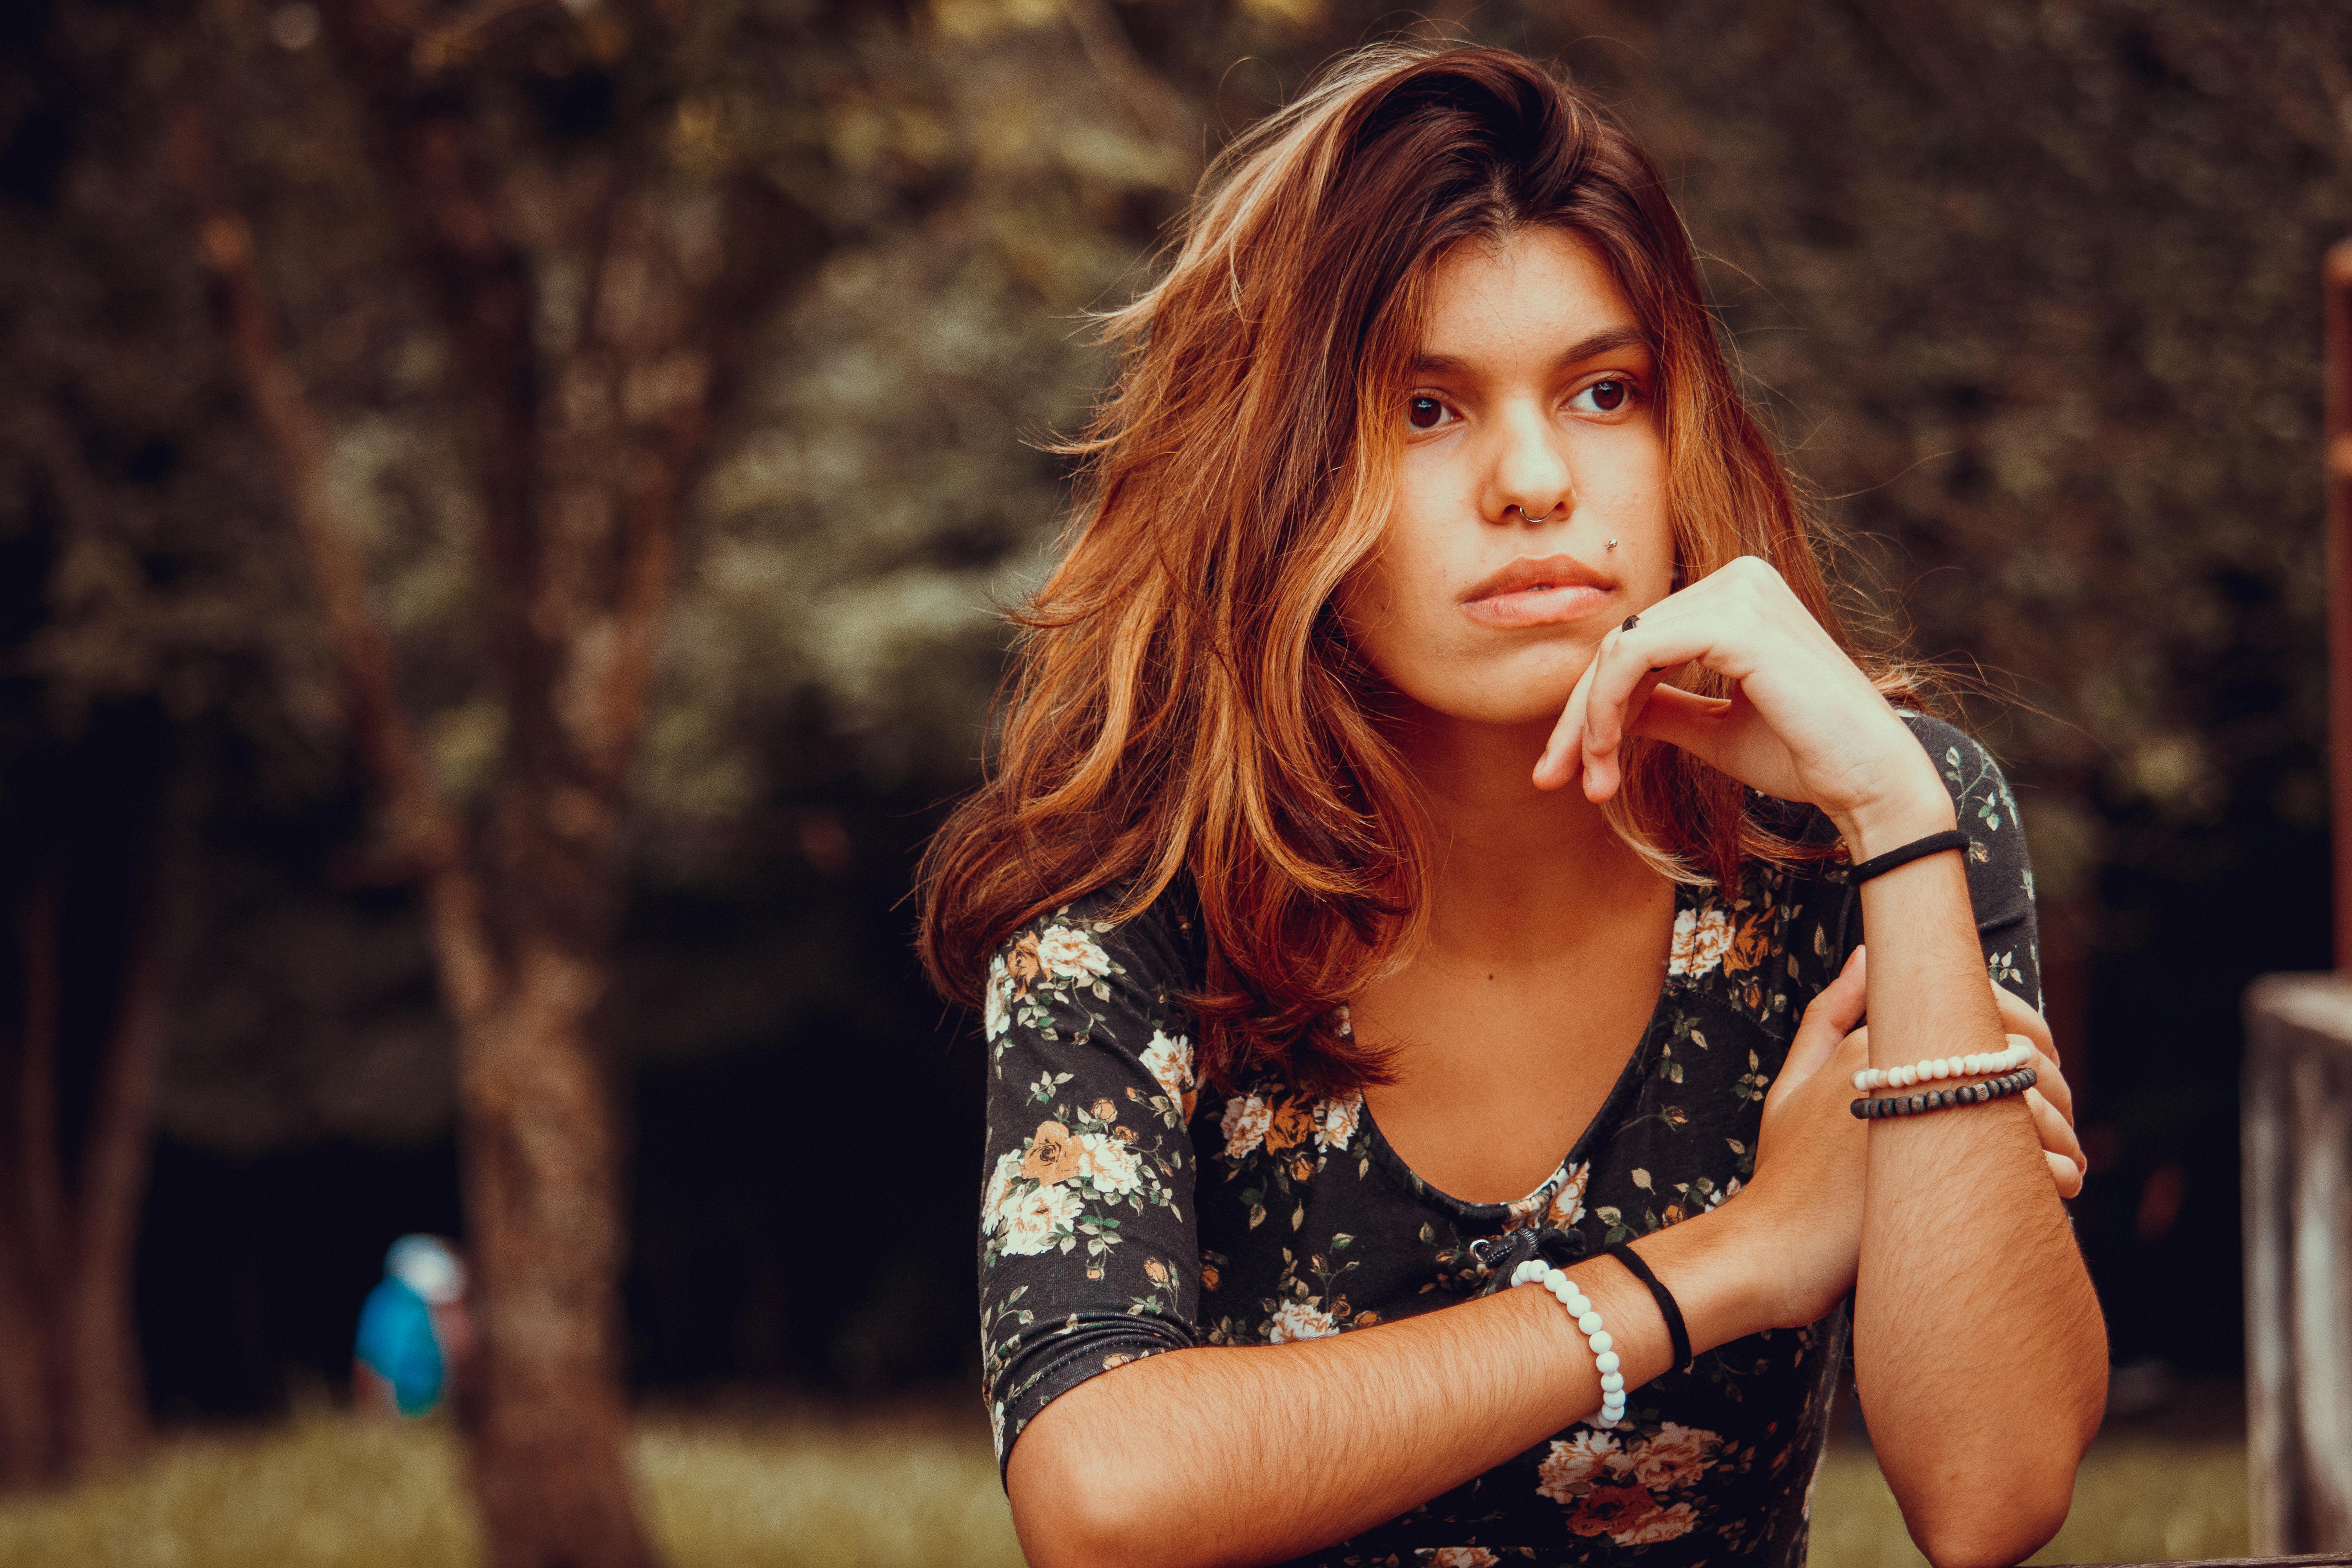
(1518, 872)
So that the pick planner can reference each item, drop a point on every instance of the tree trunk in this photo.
(542, 1210)
(73, 1398)
(106, 1422)
(30, 1452)
(583, 461)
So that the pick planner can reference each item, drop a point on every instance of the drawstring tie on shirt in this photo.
(1500, 1255)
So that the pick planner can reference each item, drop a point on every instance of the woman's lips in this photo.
(1536, 606)
(1556, 589)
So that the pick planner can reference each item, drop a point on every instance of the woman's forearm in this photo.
(1299, 1446)
(1979, 1350)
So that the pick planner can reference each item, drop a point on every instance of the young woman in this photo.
(1430, 846)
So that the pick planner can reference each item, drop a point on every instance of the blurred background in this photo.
(2029, 288)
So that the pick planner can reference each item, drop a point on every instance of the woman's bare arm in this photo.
(1235, 1456)
(1225, 1455)
(1978, 1346)
(1980, 1353)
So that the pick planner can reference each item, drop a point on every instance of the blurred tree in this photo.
(76, 1089)
(563, 205)
(122, 627)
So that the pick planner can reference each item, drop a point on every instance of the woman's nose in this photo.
(1530, 480)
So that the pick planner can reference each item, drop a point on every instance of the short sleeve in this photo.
(1090, 1254)
(2001, 878)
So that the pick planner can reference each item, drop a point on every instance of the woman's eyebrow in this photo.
(1608, 341)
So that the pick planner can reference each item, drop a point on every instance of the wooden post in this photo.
(2296, 1114)
(2337, 296)
(2298, 1207)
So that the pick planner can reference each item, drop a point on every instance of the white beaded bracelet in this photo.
(1944, 1067)
(1588, 1322)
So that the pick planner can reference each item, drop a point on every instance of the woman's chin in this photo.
(1489, 707)
(1519, 692)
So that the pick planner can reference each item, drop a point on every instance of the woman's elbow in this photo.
(1064, 1521)
(1997, 1524)
(1074, 1504)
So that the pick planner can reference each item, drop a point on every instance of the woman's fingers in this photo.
(1600, 770)
(1642, 691)
(1829, 1022)
(2018, 1017)
(2057, 1134)
(1626, 663)
(1683, 719)
(1852, 1055)
(2049, 1084)
(1563, 753)
(2048, 1077)
(2027, 1027)
(2066, 1175)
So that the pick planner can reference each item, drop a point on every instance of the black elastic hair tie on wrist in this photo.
(1879, 865)
(1623, 1253)
(1917, 849)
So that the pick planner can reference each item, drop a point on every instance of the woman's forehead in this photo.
(1534, 293)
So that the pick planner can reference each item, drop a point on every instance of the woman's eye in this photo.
(1424, 412)
(1603, 397)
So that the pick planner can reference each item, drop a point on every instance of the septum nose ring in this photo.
(1526, 516)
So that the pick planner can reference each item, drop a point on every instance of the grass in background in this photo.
(776, 1496)
(329, 1491)
(2137, 1500)
(322, 1489)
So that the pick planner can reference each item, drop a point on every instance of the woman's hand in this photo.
(2052, 1099)
(1802, 1208)
(1804, 723)
(1804, 1202)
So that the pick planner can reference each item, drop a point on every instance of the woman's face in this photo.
(1531, 441)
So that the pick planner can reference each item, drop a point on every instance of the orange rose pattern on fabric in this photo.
(1128, 1210)
(1050, 1158)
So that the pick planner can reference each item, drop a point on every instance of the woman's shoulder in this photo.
(1979, 790)
(1073, 972)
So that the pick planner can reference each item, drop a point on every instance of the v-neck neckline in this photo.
(1626, 1088)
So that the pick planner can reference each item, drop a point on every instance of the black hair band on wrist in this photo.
(1917, 849)
(1623, 1253)
(2001, 1087)
(1879, 865)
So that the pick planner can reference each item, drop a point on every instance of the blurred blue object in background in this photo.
(397, 1342)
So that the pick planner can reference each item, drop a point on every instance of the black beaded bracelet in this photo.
(2000, 1088)
(1678, 1335)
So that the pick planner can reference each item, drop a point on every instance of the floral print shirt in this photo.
(1128, 1210)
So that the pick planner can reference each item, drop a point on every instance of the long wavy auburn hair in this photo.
(1184, 702)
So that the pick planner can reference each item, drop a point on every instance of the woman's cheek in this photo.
(1393, 629)
(1400, 646)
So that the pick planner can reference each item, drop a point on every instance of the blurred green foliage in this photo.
(2035, 286)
